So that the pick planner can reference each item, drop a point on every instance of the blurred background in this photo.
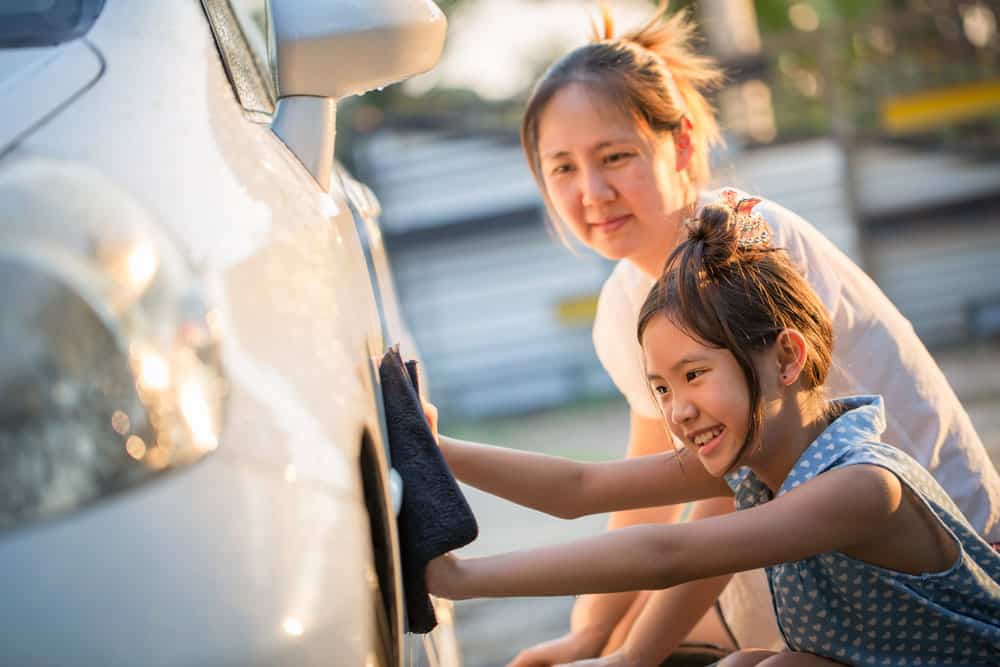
(878, 121)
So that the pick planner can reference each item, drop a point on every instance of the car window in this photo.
(252, 16)
(239, 35)
(45, 22)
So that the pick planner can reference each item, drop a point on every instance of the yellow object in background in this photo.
(933, 108)
(577, 311)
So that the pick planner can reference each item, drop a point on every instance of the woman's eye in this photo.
(661, 390)
(560, 169)
(616, 157)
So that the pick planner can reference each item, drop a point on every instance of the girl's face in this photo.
(616, 188)
(702, 393)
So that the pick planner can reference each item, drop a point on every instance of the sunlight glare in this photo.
(292, 627)
(194, 407)
(154, 374)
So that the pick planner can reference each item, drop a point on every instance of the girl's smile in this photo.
(707, 439)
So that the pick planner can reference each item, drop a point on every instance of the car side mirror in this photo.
(331, 48)
(322, 50)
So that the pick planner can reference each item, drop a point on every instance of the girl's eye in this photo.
(662, 390)
(560, 169)
(691, 375)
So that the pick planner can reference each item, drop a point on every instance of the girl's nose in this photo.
(682, 411)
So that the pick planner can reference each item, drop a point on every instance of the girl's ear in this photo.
(791, 349)
(683, 145)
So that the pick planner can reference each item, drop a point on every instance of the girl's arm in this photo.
(570, 489)
(834, 511)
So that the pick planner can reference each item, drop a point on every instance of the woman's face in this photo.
(615, 187)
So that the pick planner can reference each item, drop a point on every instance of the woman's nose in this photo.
(595, 188)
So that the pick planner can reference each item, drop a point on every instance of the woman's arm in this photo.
(834, 511)
(669, 619)
(603, 619)
(612, 615)
(661, 620)
(598, 619)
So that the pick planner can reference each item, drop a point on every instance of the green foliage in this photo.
(772, 15)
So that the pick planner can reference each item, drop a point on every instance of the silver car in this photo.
(194, 299)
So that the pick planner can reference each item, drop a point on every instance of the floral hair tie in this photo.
(751, 229)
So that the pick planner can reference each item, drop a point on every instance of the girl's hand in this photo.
(441, 576)
(431, 414)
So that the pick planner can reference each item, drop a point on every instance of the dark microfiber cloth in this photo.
(435, 517)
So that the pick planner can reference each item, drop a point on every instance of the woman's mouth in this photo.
(610, 225)
(707, 441)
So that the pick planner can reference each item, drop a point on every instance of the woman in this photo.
(617, 134)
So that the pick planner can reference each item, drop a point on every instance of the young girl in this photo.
(617, 133)
(868, 559)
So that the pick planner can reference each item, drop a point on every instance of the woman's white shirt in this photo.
(875, 351)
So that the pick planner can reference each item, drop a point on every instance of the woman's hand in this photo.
(441, 576)
(571, 646)
(616, 659)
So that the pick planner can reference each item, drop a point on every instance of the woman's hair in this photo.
(651, 74)
(726, 287)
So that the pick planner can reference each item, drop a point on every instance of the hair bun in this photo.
(714, 236)
(728, 230)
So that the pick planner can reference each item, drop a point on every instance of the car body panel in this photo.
(235, 525)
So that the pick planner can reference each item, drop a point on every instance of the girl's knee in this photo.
(746, 658)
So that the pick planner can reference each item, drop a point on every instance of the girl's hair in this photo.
(724, 286)
(651, 74)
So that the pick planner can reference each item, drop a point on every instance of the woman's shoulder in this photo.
(614, 311)
(626, 277)
(623, 292)
(614, 336)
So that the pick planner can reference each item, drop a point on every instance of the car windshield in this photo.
(45, 22)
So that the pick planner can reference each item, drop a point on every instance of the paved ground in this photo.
(492, 631)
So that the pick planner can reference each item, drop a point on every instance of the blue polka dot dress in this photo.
(861, 614)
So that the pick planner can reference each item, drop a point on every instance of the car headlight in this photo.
(108, 364)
